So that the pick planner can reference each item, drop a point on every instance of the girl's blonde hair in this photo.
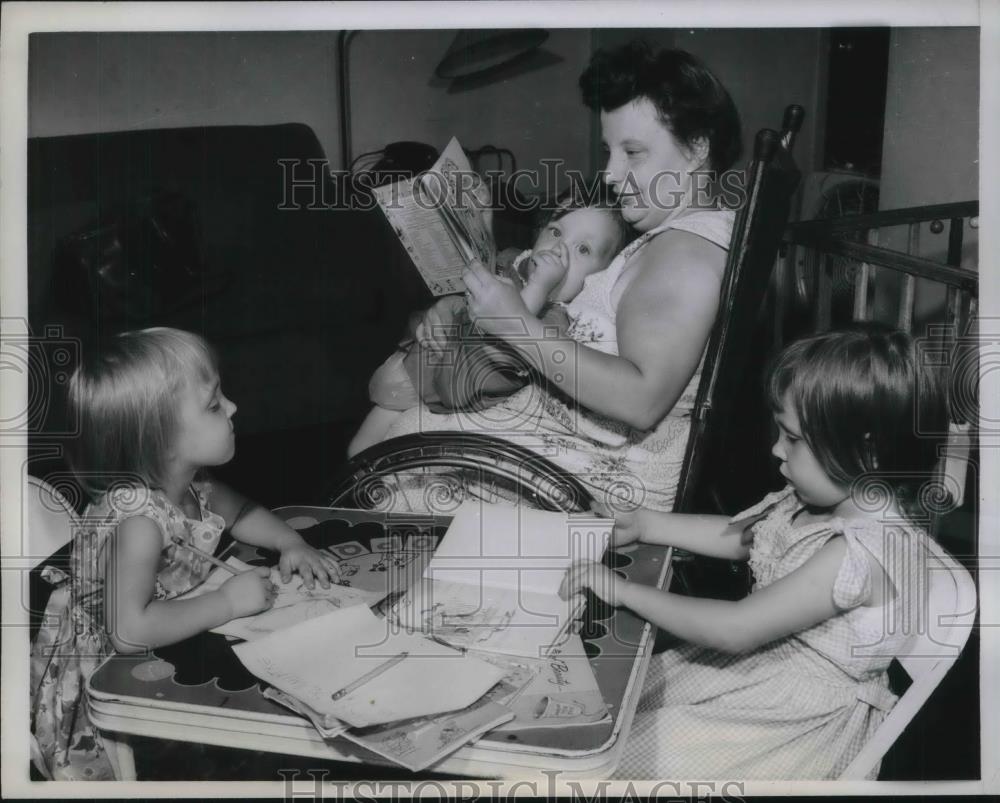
(124, 397)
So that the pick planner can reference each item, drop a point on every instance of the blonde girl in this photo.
(152, 416)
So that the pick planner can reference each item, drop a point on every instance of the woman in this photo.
(616, 411)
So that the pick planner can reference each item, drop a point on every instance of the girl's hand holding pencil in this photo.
(249, 592)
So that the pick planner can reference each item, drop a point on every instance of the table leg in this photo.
(120, 753)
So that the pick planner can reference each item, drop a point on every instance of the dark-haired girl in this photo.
(790, 681)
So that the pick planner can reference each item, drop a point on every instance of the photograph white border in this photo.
(21, 19)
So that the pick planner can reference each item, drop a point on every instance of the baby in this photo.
(577, 241)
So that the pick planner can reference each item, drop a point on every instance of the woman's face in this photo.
(647, 166)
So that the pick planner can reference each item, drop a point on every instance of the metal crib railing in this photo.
(873, 269)
(827, 238)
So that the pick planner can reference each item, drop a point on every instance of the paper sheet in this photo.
(315, 659)
(418, 743)
(488, 619)
(516, 547)
(562, 692)
(327, 727)
(294, 602)
(493, 582)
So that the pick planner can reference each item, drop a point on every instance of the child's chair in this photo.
(929, 654)
(49, 520)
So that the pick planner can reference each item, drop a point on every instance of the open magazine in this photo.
(439, 221)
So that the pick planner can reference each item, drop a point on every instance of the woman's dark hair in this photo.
(692, 103)
(868, 405)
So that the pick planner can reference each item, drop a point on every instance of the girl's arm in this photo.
(796, 602)
(664, 320)
(702, 534)
(256, 525)
(137, 622)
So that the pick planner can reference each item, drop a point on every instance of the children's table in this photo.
(198, 691)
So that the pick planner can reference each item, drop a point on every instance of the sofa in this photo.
(298, 283)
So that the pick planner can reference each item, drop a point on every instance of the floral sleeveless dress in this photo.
(73, 640)
(633, 467)
(800, 707)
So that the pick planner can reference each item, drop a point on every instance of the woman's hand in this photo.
(309, 563)
(495, 305)
(249, 592)
(432, 331)
(602, 582)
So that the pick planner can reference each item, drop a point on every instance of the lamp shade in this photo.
(474, 52)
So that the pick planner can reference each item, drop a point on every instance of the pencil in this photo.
(206, 555)
(361, 681)
(442, 642)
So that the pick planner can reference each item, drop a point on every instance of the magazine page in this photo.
(439, 221)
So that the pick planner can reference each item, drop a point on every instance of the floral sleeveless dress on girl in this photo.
(802, 706)
(73, 640)
(636, 467)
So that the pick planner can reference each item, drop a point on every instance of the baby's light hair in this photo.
(597, 196)
(125, 397)
(858, 394)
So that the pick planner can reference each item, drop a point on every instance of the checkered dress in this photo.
(800, 707)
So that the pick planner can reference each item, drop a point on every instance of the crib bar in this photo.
(949, 331)
(861, 282)
(779, 288)
(953, 310)
(897, 260)
(824, 293)
(907, 291)
(886, 218)
(956, 232)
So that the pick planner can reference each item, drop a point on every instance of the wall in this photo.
(931, 141)
(537, 115)
(85, 82)
(764, 69)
